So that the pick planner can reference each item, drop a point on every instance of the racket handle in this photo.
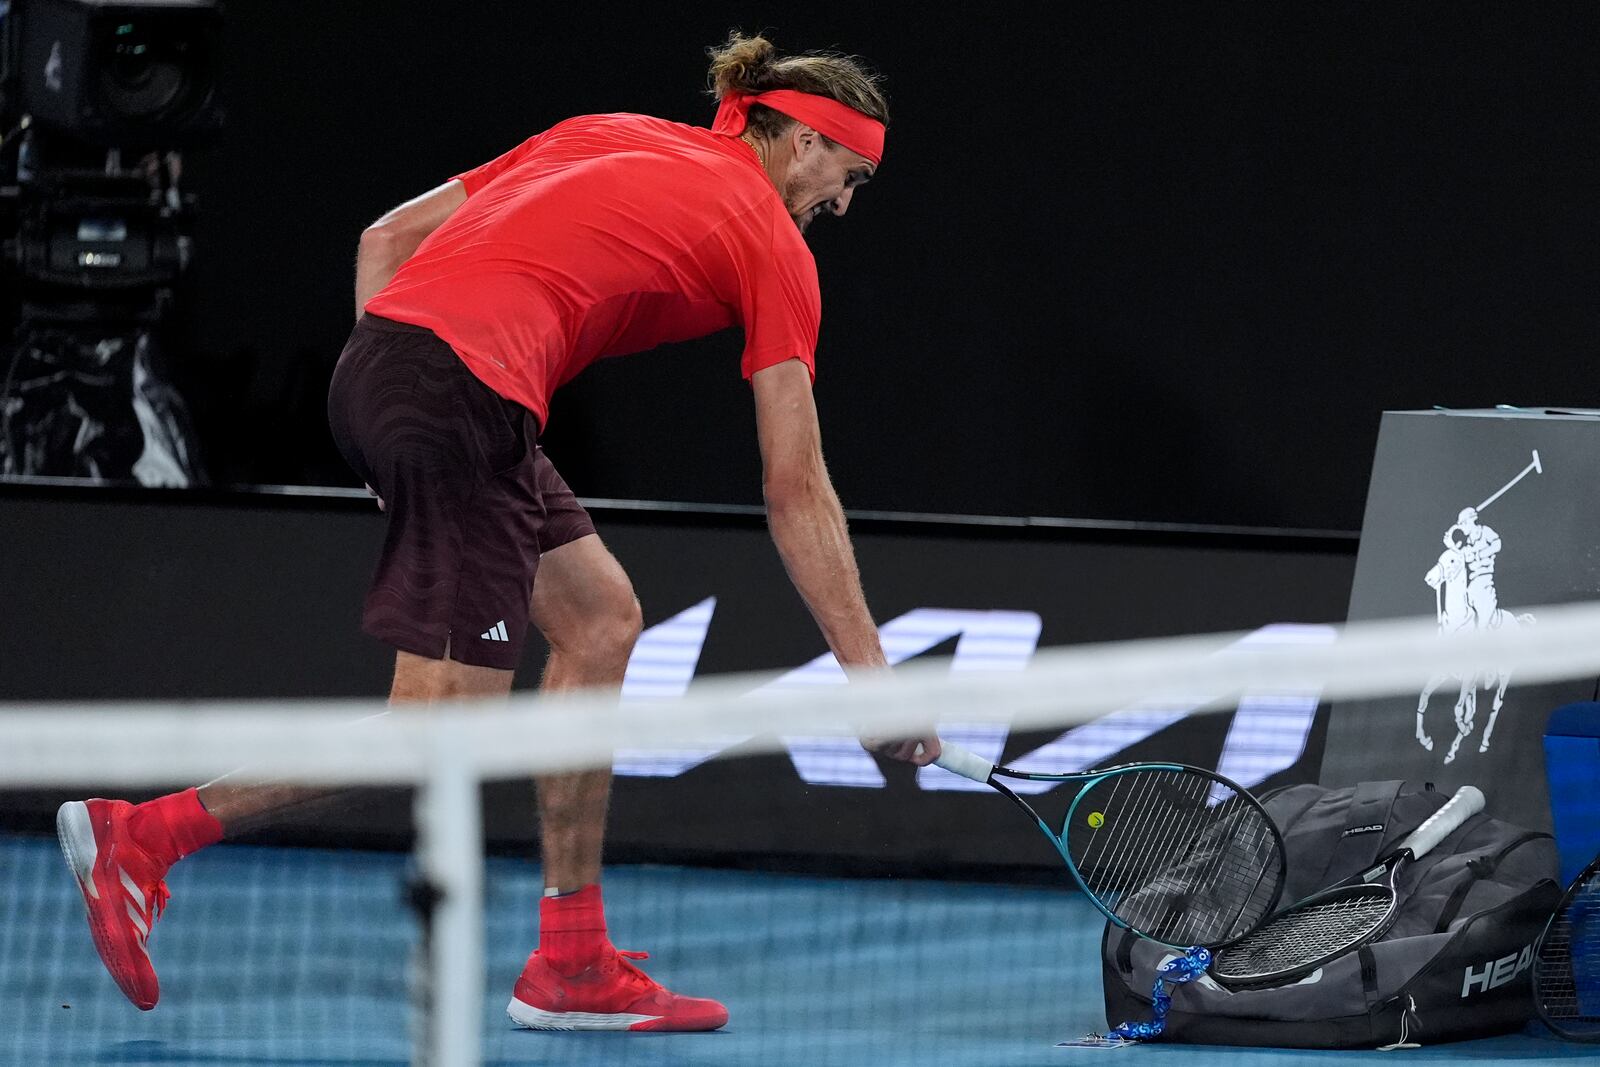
(966, 763)
(1466, 803)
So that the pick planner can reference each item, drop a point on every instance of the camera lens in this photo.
(141, 79)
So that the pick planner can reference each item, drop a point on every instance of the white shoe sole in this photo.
(538, 1019)
(76, 834)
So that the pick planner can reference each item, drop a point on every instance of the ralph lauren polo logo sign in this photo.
(1465, 599)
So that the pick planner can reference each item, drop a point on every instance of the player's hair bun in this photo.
(743, 65)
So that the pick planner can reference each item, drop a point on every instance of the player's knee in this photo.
(613, 634)
(606, 630)
(624, 624)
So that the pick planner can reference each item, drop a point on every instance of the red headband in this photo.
(860, 133)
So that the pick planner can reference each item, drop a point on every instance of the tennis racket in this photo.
(1329, 923)
(1566, 963)
(1176, 854)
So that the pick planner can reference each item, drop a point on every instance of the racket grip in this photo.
(966, 763)
(1466, 803)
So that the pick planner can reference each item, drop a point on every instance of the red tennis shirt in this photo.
(605, 235)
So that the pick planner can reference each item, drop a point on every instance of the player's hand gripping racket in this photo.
(1340, 919)
(1566, 963)
(1176, 854)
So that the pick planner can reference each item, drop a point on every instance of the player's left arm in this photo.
(391, 240)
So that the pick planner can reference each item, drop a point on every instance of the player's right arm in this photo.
(808, 527)
(389, 242)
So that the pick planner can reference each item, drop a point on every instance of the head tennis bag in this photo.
(1454, 963)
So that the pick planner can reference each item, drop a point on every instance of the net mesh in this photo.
(302, 956)
(285, 953)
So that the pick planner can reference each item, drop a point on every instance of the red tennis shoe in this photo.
(610, 995)
(122, 888)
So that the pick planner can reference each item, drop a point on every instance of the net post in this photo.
(450, 863)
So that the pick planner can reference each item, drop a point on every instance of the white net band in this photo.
(166, 742)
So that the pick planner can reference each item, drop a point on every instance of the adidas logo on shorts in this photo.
(497, 632)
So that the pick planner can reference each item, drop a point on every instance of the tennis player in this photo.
(604, 235)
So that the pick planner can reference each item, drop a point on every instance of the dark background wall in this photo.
(1160, 262)
(194, 596)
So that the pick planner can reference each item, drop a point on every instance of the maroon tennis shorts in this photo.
(472, 500)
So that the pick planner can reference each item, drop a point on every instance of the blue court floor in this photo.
(298, 957)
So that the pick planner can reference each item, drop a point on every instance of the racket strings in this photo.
(1311, 934)
(1247, 872)
(1139, 828)
(1239, 875)
(1241, 846)
(1124, 835)
(1175, 854)
(1184, 894)
(1566, 975)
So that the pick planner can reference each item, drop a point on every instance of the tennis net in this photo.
(754, 873)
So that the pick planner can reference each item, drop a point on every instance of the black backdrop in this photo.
(1163, 262)
(196, 596)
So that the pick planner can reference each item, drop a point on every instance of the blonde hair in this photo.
(751, 65)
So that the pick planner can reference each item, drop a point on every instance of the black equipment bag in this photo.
(1455, 963)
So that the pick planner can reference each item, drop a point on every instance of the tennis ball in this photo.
(1096, 820)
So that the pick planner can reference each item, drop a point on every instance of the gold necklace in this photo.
(759, 158)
